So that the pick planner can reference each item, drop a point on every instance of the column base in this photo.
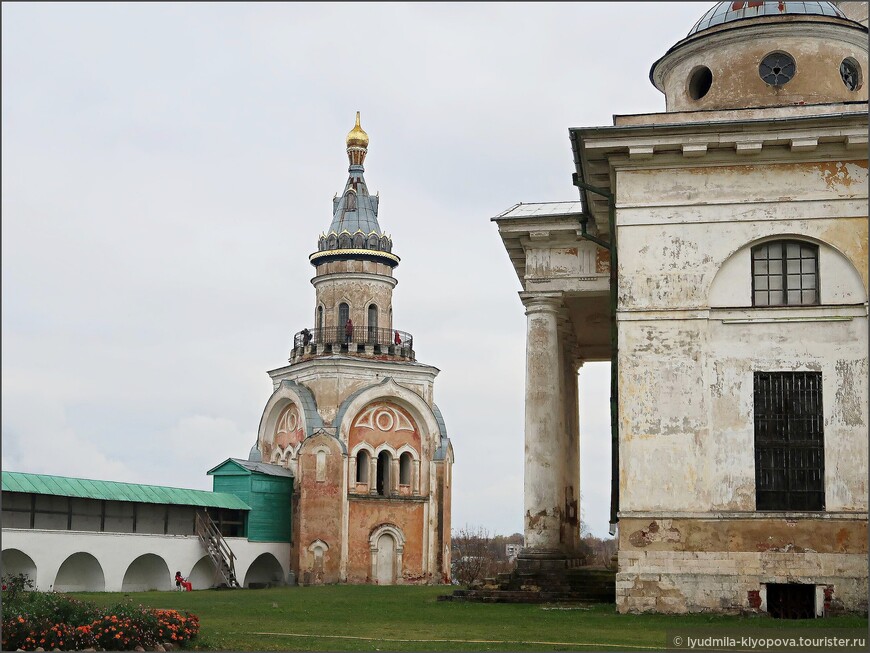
(532, 561)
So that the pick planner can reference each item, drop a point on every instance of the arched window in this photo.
(359, 240)
(384, 462)
(350, 204)
(320, 317)
(373, 323)
(405, 469)
(343, 315)
(362, 467)
(785, 273)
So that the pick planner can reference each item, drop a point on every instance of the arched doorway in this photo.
(386, 560)
(387, 544)
(147, 572)
(81, 572)
(16, 562)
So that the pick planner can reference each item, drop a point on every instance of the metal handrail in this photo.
(339, 335)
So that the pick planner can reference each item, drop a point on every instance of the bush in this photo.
(51, 620)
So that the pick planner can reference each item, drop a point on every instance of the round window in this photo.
(777, 68)
(699, 82)
(851, 74)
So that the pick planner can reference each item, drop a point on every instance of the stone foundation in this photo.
(687, 581)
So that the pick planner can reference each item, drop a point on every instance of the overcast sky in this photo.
(167, 169)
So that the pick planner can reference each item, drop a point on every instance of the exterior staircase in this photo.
(218, 550)
(567, 585)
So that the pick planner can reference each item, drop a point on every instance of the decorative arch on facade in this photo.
(317, 552)
(387, 417)
(387, 391)
(147, 572)
(277, 414)
(840, 282)
(386, 557)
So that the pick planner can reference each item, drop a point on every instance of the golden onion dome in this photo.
(356, 137)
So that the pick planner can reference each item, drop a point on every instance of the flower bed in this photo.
(50, 621)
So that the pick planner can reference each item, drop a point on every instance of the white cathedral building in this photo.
(718, 258)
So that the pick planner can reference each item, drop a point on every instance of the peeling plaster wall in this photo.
(690, 341)
(817, 45)
(706, 565)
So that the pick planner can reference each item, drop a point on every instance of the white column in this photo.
(544, 428)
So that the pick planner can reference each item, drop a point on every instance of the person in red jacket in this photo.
(397, 339)
(180, 581)
(348, 331)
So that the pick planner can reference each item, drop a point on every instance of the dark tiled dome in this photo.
(727, 12)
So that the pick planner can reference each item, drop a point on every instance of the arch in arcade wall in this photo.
(80, 572)
(15, 561)
(147, 572)
(202, 576)
(264, 569)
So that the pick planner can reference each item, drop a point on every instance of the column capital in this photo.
(537, 302)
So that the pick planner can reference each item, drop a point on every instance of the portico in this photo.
(565, 280)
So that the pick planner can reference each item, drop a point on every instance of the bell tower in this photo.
(353, 416)
(353, 280)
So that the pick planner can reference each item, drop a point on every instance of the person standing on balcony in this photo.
(348, 331)
(306, 337)
(397, 339)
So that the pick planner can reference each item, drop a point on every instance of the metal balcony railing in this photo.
(358, 335)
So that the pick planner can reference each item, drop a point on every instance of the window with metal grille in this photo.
(791, 601)
(785, 273)
(789, 441)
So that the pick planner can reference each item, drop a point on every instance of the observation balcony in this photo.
(385, 344)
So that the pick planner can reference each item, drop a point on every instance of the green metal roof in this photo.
(84, 488)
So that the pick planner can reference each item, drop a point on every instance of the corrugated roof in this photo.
(523, 210)
(85, 488)
(263, 468)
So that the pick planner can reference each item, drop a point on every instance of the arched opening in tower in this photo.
(384, 473)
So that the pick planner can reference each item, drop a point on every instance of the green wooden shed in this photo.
(266, 488)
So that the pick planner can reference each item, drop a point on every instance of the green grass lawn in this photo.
(371, 618)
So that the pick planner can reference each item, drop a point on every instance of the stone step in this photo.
(497, 596)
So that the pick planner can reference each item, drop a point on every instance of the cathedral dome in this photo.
(765, 54)
(728, 12)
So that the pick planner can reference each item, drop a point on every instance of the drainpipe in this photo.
(610, 246)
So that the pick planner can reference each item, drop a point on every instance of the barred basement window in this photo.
(789, 441)
(785, 273)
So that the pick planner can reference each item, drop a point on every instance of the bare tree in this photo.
(475, 555)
